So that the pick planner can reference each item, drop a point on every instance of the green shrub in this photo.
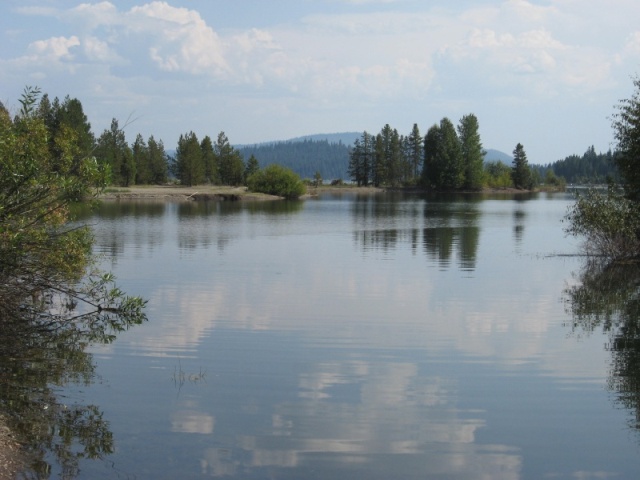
(608, 222)
(277, 180)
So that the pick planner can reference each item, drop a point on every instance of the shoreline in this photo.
(226, 193)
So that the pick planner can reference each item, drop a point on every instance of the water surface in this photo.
(375, 336)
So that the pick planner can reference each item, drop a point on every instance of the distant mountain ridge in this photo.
(346, 138)
(492, 155)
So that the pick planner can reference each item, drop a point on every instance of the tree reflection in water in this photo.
(36, 359)
(608, 298)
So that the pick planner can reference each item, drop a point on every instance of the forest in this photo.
(447, 157)
(590, 168)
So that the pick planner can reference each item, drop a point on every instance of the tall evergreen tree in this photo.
(210, 160)
(430, 166)
(379, 170)
(443, 167)
(449, 157)
(189, 162)
(415, 147)
(252, 167)
(71, 114)
(67, 125)
(48, 114)
(472, 152)
(230, 163)
(368, 157)
(355, 169)
(395, 160)
(141, 158)
(112, 150)
(388, 158)
(520, 172)
(157, 161)
(361, 160)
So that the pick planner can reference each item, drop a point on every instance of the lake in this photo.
(377, 336)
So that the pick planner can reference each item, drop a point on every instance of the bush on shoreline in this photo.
(277, 180)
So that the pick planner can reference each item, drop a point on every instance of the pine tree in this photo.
(230, 163)
(415, 151)
(355, 169)
(379, 167)
(66, 123)
(112, 150)
(157, 161)
(520, 173)
(449, 157)
(368, 157)
(472, 152)
(189, 162)
(252, 167)
(141, 158)
(210, 160)
(430, 166)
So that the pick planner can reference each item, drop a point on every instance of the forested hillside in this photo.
(591, 167)
(348, 138)
(303, 157)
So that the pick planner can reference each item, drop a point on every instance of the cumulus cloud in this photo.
(171, 38)
(55, 49)
(182, 41)
(375, 54)
(91, 16)
(346, 56)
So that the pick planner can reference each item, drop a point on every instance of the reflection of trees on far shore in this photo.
(608, 299)
(142, 223)
(447, 230)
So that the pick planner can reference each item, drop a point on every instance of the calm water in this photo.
(348, 337)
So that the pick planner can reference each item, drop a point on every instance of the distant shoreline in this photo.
(225, 193)
(209, 192)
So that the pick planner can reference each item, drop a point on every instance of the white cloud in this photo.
(90, 16)
(255, 39)
(523, 10)
(54, 49)
(331, 66)
(182, 41)
(99, 51)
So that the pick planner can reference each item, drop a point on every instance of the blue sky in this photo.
(546, 74)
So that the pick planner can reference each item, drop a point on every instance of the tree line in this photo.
(591, 167)
(144, 161)
(446, 158)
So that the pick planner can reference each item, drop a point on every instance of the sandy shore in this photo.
(179, 193)
(208, 192)
(221, 193)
